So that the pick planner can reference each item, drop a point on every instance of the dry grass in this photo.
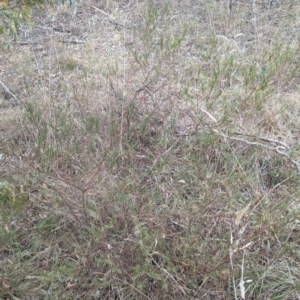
(159, 146)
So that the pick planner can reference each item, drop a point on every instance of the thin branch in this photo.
(17, 101)
(72, 42)
(110, 18)
(165, 153)
(278, 148)
(171, 276)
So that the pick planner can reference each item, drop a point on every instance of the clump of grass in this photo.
(167, 177)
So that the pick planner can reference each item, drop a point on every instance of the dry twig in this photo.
(16, 100)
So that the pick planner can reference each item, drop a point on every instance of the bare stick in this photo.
(280, 147)
(9, 92)
(110, 18)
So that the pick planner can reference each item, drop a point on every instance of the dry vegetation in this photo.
(151, 151)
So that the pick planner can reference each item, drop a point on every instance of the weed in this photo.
(162, 162)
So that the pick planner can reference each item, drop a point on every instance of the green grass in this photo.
(160, 158)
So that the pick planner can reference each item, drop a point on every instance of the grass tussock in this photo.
(153, 153)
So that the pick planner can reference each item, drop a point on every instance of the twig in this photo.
(210, 115)
(17, 101)
(178, 224)
(277, 148)
(242, 282)
(171, 276)
(73, 42)
(110, 18)
(259, 200)
(165, 153)
(132, 286)
(266, 140)
(231, 264)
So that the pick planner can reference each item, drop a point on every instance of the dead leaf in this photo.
(5, 284)
(239, 215)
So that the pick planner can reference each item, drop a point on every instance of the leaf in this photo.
(5, 284)
(239, 214)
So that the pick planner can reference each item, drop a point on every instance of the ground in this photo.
(150, 150)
